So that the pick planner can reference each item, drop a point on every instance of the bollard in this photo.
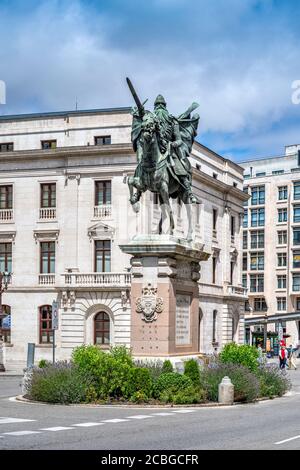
(226, 392)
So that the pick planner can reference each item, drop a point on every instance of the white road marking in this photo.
(287, 440)
(183, 411)
(14, 420)
(116, 420)
(163, 414)
(139, 417)
(21, 433)
(87, 425)
(57, 428)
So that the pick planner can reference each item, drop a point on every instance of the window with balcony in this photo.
(102, 329)
(296, 282)
(245, 219)
(6, 197)
(296, 214)
(257, 239)
(282, 215)
(296, 259)
(257, 195)
(282, 237)
(102, 199)
(5, 257)
(297, 190)
(282, 193)
(281, 260)
(260, 304)
(281, 303)
(46, 331)
(102, 256)
(48, 201)
(296, 236)
(281, 281)
(103, 140)
(245, 262)
(48, 144)
(47, 257)
(257, 217)
(257, 261)
(256, 282)
(245, 240)
(7, 147)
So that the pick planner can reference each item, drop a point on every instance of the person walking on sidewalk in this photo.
(283, 355)
(292, 363)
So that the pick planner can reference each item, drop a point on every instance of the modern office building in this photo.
(64, 211)
(271, 245)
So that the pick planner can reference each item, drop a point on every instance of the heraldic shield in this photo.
(149, 305)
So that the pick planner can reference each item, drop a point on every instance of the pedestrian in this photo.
(260, 353)
(292, 363)
(283, 355)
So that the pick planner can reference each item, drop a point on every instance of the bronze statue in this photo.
(163, 144)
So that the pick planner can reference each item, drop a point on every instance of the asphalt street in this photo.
(272, 424)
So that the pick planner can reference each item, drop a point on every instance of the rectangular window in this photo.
(257, 261)
(47, 260)
(7, 147)
(277, 172)
(257, 195)
(257, 239)
(296, 282)
(103, 140)
(261, 173)
(296, 259)
(6, 197)
(282, 215)
(214, 265)
(48, 144)
(298, 303)
(296, 236)
(46, 331)
(5, 257)
(102, 193)
(281, 259)
(296, 213)
(245, 240)
(48, 195)
(102, 256)
(244, 281)
(297, 190)
(257, 217)
(231, 272)
(245, 190)
(256, 283)
(282, 193)
(246, 177)
(215, 214)
(245, 219)
(260, 305)
(245, 262)
(232, 225)
(281, 303)
(282, 237)
(281, 281)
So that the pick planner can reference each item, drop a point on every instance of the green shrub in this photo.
(191, 370)
(58, 383)
(154, 367)
(188, 396)
(243, 354)
(273, 381)
(246, 384)
(169, 384)
(43, 363)
(140, 383)
(167, 367)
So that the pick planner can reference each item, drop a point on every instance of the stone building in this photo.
(271, 244)
(64, 211)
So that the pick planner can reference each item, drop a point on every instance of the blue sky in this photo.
(236, 58)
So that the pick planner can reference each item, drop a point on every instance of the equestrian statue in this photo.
(163, 143)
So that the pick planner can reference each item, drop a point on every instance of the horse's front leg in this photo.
(134, 182)
(186, 201)
(166, 207)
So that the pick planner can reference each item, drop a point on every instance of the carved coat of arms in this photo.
(149, 305)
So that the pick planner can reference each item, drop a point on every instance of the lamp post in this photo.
(5, 278)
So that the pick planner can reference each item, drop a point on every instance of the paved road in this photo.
(256, 426)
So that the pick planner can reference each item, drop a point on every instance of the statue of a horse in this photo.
(154, 173)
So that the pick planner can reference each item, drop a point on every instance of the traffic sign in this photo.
(55, 319)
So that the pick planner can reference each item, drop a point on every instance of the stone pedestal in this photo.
(164, 295)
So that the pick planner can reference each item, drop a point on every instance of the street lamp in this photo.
(5, 278)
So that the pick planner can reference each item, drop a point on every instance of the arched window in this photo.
(101, 329)
(5, 323)
(46, 332)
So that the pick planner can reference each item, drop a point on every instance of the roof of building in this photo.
(53, 114)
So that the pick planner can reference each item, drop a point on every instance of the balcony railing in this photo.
(48, 213)
(6, 215)
(236, 291)
(103, 212)
(46, 279)
(97, 279)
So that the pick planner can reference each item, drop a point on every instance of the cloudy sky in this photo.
(236, 58)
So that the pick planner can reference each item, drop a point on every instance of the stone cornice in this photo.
(219, 185)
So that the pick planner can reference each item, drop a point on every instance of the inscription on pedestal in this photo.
(183, 320)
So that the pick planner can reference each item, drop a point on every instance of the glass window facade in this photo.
(296, 236)
(257, 261)
(281, 259)
(281, 303)
(296, 213)
(47, 261)
(257, 195)
(257, 217)
(102, 256)
(245, 219)
(281, 281)
(257, 239)
(256, 282)
(282, 193)
(296, 282)
(297, 190)
(296, 259)
(282, 215)
(282, 237)
(260, 305)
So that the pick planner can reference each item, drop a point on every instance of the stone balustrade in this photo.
(97, 279)
(103, 212)
(6, 215)
(235, 291)
(48, 213)
(46, 279)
